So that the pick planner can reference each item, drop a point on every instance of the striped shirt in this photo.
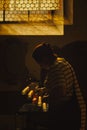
(61, 81)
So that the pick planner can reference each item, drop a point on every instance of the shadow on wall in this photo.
(12, 55)
(76, 54)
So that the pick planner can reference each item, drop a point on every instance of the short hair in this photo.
(42, 51)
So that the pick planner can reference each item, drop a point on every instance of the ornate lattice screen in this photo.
(37, 4)
(20, 10)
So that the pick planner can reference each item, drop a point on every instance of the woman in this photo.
(67, 108)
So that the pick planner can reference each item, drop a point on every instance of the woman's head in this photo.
(43, 54)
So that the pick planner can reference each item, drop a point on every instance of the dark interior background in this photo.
(16, 64)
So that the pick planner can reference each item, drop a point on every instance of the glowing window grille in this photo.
(37, 4)
(25, 10)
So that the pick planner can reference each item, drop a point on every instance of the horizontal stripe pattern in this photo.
(61, 75)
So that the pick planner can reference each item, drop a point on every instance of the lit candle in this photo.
(30, 94)
(25, 90)
(44, 107)
(39, 101)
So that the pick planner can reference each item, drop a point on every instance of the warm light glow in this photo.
(47, 16)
